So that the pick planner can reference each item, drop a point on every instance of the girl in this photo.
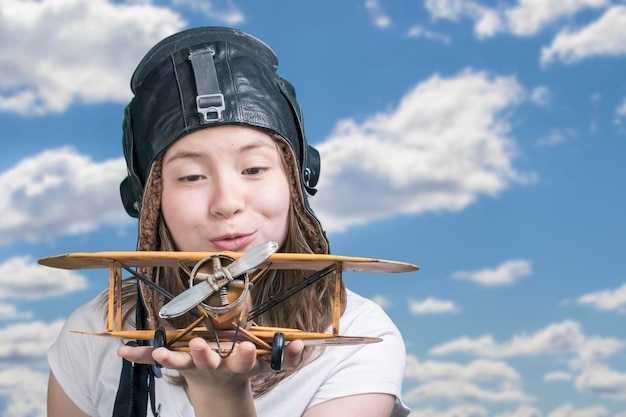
(217, 160)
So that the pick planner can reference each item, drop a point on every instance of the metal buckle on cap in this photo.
(210, 105)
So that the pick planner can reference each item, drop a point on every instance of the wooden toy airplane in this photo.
(219, 295)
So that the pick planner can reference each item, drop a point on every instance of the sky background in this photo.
(482, 140)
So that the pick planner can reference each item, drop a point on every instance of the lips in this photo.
(233, 242)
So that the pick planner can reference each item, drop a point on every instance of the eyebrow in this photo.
(182, 155)
(186, 154)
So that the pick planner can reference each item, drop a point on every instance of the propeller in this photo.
(211, 283)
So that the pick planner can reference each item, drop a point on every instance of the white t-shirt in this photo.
(88, 368)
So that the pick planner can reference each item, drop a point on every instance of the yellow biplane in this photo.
(219, 294)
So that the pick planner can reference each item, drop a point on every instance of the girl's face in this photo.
(225, 188)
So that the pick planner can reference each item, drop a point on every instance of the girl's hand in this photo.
(202, 357)
(213, 382)
(202, 360)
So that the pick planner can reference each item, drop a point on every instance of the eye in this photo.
(254, 171)
(191, 178)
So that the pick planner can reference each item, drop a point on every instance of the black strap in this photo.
(124, 399)
(209, 99)
(132, 394)
(136, 385)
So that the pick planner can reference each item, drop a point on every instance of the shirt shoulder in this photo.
(342, 371)
(87, 367)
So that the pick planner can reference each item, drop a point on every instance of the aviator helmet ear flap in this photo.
(131, 189)
(311, 171)
(309, 157)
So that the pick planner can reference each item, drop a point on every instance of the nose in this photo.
(227, 198)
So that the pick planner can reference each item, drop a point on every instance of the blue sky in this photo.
(481, 140)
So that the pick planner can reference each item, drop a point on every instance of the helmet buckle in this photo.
(210, 106)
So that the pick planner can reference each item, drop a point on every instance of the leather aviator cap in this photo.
(206, 77)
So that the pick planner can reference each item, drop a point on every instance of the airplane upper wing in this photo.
(91, 260)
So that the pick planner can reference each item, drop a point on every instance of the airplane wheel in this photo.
(278, 346)
(159, 338)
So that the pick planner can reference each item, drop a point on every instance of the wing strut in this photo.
(288, 292)
(149, 283)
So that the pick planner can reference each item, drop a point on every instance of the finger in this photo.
(244, 359)
(171, 359)
(136, 354)
(203, 355)
(293, 354)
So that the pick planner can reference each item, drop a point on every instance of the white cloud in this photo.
(521, 411)
(59, 192)
(432, 305)
(487, 21)
(567, 410)
(506, 273)
(377, 14)
(458, 390)
(28, 342)
(11, 312)
(382, 301)
(620, 112)
(555, 137)
(64, 51)
(594, 349)
(526, 18)
(453, 381)
(457, 411)
(228, 13)
(562, 338)
(530, 16)
(606, 36)
(602, 37)
(22, 279)
(421, 32)
(479, 370)
(606, 299)
(444, 145)
(602, 381)
(448, 9)
(541, 96)
(557, 376)
(23, 391)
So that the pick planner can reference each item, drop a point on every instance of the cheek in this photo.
(176, 216)
(168, 210)
(280, 206)
(278, 202)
